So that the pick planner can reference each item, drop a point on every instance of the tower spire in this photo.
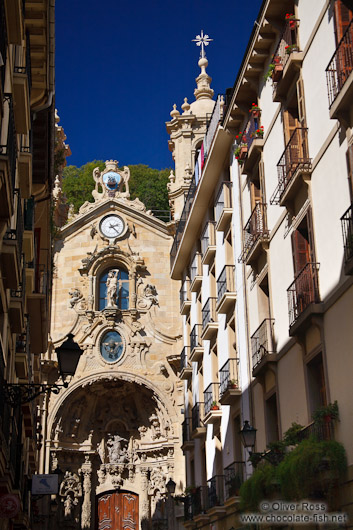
(202, 40)
(203, 90)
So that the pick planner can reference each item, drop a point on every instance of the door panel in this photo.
(118, 511)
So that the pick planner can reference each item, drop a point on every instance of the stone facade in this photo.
(117, 425)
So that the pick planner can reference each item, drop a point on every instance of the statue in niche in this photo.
(112, 286)
(70, 491)
(116, 452)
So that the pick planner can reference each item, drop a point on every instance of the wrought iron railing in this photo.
(226, 281)
(184, 358)
(197, 415)
(319, 431)
(10, 149)
(262, 341)
(287, 42)
(3, 43)
(223, 199)
(213, 123)
(347, 232)
(195, 267)
(20, 292)
(215, 487)
(209, 312)
(195, 337)
(16, 234)
(233, 478)
(186, 427)
(208, 237)
(250, 130)
(255, 228)
(294, 157)
(184, 293)
(211, 397)
(195, 502)
(303, 291)
(341, 65)
(228, 376)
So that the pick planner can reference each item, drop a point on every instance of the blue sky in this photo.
(120, 66)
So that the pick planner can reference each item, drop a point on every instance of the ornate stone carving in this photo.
(75, 297)
(146, 295)
(112, 285)
(86, 471)
(70, 491)
(135, 262)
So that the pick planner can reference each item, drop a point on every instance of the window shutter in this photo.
(349, 157)
(300, 249)
(309, 220)
(290, 122)
(343, 15)
(301, 102)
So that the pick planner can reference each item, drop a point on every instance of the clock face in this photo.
(112, 226)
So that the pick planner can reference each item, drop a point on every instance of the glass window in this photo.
(111, 346)
(121, 300)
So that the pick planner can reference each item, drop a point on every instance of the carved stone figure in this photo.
(70, 491)
(156, 429)
(112, 285)
(76, 296)
(116, 452)
(148, 297)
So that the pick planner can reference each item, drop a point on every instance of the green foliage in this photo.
(261, 485)
(329, 411)
(291, 436)
(149, 185)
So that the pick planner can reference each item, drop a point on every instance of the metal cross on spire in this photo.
(202, 40)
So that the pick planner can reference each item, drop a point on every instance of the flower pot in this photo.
(215, 407)
(256, 113)
(277, 72)
(243, 152)
(292, 24)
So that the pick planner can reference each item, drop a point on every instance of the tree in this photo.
(148, 184)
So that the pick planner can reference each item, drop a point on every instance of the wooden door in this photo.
(118, 511)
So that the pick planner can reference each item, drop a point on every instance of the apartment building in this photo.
(26, 175)
(265, 275)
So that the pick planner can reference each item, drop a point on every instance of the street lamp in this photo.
(68, 357)
(248, 434)
(171, 486)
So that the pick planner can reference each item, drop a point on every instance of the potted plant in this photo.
(232, 383)
(255, 110)
(292, 22)
(291, 48)
(258, 133)
(326, 413)
(241, 152)
(241, 137)
(214, 405)
(275, 69)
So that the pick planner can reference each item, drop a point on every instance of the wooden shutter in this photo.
(290, 122)
(301, 251)
(255, 194)
(301, 102)
(309, 222)
(349, 157)
(343, 16)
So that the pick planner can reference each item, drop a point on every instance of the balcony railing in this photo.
(233, 478)
(210, 133)
(347, 232)
(186, 426)
(184, 293)
(225, 281)
(211, 397)
(255, 228)
(10, 149)
(319, 431)
(262, 341)
(20, 69)
(294, 157)
(209, 312)
(3, 43)
(215, 491)
(223, 199)
(195, 502)
(303, 291)
(289, 38)
(250, 130)
(208, 237)
(195, 267)
(16, 234)
(184, 358)
(341, 65)
(228, 376)
(20, 292)
(197, 415)
(195, 337)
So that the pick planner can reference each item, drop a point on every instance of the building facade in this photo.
(26, 174)
(113, 435)
(265, 276)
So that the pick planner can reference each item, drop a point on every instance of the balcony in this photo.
(288, 57)
(185, 297)
(263, 347)
(347, 232)
(196, 346)
(23, 356)
(339, 77)
(17, 306)
(233, 478)
(188, 442)
(28, 234)
(293, 167)
(320, 431)
(196, 503)
(185, 366)
(25, 165)
(213, 412)
(8, 156)
(229, 388)
(215, 487)
(15, 20)
(304, 298)
(226, 294)
(196, 273)
(208, 242)
(253, 137)
(256, 236)
(37, 306)
(223, 207)
(21, 93)
(209, 319)
(197, 424)
(11, 254)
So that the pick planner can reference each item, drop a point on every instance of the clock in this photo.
(112, 226)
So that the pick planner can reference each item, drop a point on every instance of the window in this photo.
(271, 419)
(316, 383)
(120, 297)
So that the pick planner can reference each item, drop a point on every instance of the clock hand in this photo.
(113, 226)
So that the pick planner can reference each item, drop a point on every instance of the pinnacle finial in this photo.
(202, 40)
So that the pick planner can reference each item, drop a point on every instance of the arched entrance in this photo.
(118, 511)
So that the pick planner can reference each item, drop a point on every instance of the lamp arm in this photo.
(20, 393)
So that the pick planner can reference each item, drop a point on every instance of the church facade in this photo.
(113, 435)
